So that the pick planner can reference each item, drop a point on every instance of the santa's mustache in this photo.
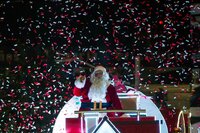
(98, 81)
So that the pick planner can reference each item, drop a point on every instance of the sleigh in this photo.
(142, 116)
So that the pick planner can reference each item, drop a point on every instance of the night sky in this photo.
(35, 36)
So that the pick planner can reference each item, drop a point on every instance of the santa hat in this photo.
(103, 69)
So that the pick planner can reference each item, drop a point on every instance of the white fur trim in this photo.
(103, 69)
(79, 84)
(103, 100)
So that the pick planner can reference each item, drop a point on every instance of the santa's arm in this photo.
(115, 99)
(79, 84)
(77, 91)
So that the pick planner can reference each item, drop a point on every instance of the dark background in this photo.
(36, 38)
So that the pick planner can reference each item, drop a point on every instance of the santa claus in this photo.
(97, 89)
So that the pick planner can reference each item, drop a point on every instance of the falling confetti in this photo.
(34, 87)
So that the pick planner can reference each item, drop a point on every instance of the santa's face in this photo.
(98, 74)
(99, 86)
(98, 80)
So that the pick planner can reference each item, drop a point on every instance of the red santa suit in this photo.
(107, 95)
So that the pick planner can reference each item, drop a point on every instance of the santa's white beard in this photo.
(98, 90)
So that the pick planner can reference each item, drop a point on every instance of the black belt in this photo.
(91, 105)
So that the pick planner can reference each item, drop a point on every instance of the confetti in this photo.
(111, 33)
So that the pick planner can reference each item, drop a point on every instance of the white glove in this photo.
(80, 82)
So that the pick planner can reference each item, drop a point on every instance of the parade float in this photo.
(141, 115)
